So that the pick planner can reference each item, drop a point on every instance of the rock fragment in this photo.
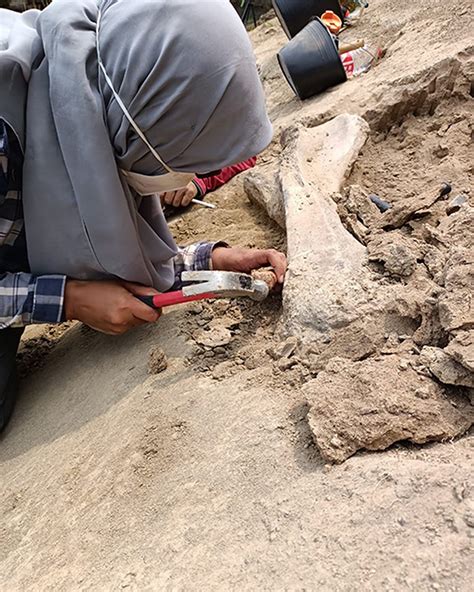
(455, 230)
(456, 303)
(461, 349)
(456, 204)
(354, 342)
(358, 202)
(224, 369)
(395, 252)
(284, 349)
(403, 212)
(217, 336)
(445, 368)
(372, 404)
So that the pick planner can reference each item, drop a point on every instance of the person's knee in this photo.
(8, 398)
(9, 341)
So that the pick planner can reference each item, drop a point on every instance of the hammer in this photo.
(204, 285)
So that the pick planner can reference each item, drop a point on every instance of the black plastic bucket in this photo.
(294, 15)
(310, 61)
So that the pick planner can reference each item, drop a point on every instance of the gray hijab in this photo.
(185, 71)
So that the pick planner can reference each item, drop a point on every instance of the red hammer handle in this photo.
(171, 298)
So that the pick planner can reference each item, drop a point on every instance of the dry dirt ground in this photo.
(205, 476)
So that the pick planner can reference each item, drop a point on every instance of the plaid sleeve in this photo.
(26, 299)
(195, 257)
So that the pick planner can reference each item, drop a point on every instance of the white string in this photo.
(141, 135)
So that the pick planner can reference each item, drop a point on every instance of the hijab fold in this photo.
(186, 72)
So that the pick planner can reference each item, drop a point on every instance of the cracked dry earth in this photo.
(203, 453)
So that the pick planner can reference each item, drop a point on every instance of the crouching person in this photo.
(104, 106)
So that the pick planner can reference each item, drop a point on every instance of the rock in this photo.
(357, 201)
(394, 251)
(407, 209)
(251, 357)
(430, 330)
(469, 518)
(217, 336)
(456, 304)
(355, 227)
(461, 349)
(457, 229)
(326, 284)
(286, 363)
(456, 204)
(223, 370)
(285, 349)
(263, 190)
(220, 351)
(195, 308)
(441, 151)
(220, 306)
(157, 360)
(228, 320)
(445, 368)
(435, 261)
(372, 404)
(354, 342)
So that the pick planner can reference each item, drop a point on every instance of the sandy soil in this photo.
(206, 475)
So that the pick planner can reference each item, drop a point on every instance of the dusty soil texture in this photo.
(216, 473)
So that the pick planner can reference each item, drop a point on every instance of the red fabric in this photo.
(213, 183)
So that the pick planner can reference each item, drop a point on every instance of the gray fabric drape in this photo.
(186, 72)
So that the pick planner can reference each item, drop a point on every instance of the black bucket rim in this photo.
(337, 62)
(283, 21)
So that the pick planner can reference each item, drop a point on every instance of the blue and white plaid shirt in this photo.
(25, 298)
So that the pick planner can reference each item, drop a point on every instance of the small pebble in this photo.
(286, 363)
(441, 151)
(421, 394)
(216, 337)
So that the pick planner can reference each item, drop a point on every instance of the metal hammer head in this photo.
(226, 284)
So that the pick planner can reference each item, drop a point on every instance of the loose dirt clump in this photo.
(157, 361)
(377, 402)
(230, 335)
(37, 343)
